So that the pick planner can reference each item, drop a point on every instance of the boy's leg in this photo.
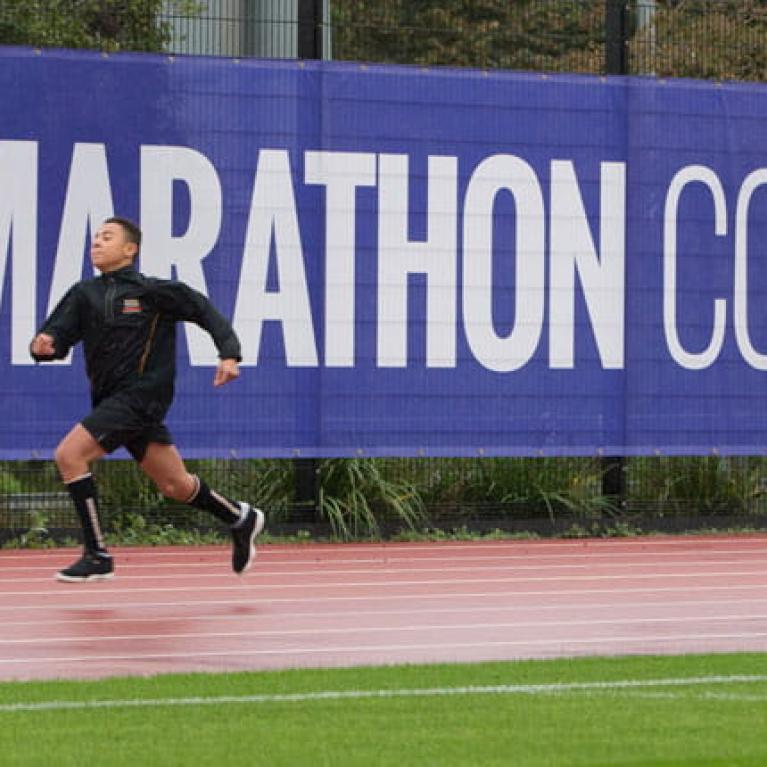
(163, 464)
(73, 458)
(165, 467)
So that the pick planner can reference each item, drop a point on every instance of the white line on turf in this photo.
(427, 692)
(688, 696)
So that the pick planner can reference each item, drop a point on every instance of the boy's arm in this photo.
(188, 305)
(60, 331)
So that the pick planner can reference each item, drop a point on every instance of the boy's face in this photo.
(110, 249)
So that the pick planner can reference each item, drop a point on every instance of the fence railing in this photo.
(720, 39)
(540, 495)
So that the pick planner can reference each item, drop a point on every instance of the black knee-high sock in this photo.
(209, 500)
(85, 498)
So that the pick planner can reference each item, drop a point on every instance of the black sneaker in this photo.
(92, 566)
(244, 533)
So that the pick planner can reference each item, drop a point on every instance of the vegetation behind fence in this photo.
(367, 498)
(714, 39)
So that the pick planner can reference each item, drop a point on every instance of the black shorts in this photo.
(120, 422)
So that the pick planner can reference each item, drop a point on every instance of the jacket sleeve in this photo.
(185, 304)
(64, 325)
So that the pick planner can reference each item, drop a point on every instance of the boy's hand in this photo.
(226, 371)
(42, 346)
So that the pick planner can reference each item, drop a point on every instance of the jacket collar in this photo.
(125, 271)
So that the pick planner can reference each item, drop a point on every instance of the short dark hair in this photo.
(131, 229)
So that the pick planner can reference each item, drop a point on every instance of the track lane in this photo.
(171, 610)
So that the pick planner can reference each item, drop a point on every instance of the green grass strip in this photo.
(687, 710)
(427, 692)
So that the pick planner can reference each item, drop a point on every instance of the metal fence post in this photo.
(616, 63)
(310, 28)
(614, 480)
(306, 470)
(616, 59)
(306, 490)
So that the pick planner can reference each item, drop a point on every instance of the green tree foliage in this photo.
(526, 34)
(107, 25)
(707, 39)
(715, 39)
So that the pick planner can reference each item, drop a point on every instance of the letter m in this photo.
(18, 240)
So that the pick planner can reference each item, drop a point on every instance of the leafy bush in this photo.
(106, 25)
(708, 39)
(706, 485)
(528, 34)
(356, 496)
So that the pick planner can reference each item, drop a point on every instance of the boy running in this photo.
(127, 323)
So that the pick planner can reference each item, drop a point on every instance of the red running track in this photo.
(181, 609)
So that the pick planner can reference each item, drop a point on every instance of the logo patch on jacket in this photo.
(131, 306)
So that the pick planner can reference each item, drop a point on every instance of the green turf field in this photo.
(689, 710)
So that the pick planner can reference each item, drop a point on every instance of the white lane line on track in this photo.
(363, 629)
(387, 568)
(128, 573)
(585, 546)
(627, 560)
(97, 617)
(378, 584)
(260, 601)
(431, 648)
(545, 688)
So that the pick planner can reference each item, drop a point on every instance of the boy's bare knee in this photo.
(75, 452)
(175, 488)
(65, 461)
(168, 488)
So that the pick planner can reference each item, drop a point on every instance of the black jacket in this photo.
(127, 323)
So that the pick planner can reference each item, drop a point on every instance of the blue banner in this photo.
(417, 262)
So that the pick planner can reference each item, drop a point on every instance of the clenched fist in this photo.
(42, 346)
(226, 371)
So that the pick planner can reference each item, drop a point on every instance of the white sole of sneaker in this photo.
(257, 528)
(88, 578)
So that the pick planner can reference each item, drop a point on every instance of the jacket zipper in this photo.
(109, 308)
(148, 345)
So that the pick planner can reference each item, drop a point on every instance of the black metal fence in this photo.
(725, 39)
(370, 497)
(720, 39)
